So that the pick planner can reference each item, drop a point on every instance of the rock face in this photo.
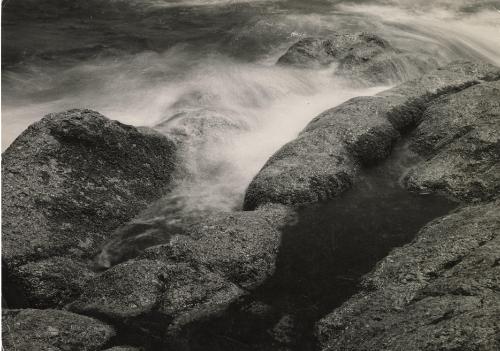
(361, 57)
(67, 182)
(441, 291)
(438, 293)
(35, 330)
(323, 161)
(460, 138)
(191, 277)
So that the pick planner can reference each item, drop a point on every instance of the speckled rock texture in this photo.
(459, 137)
(325, 158)
(190, 277)
(44, 330)
(440, 292)
(67, 182)
(363, 58)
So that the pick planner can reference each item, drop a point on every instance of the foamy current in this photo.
(229, 72)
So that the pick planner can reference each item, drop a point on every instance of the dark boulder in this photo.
(35, 330)
(67, 182)
(47, 282)
(191, 277)
(460, 138)
(361, 57)
(324, 159)
(439, 292)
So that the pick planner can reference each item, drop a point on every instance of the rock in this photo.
(67, 182)
(192, 277)
(412, 98)
(439, 292)
(361, 57)
(123, 348)
(325, 158)
(310, 52)
(200, 125)
(48, 282)
(460, 138)
(314, 167)
(35, 330)
(201, 136)
(369, 136)
(283, 332)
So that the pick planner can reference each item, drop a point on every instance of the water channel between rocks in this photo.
(322, 258)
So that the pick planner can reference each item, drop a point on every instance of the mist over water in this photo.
(168, 62)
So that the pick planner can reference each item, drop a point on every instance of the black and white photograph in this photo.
(250, 175)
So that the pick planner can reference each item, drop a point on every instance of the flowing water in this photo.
(147, 61)
(165, 63)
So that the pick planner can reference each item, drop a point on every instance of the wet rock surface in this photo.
(438, 293)
(459, 135)
(67, 182)
(260, 279)
(323, 161)
(363, 57)
(35, 330)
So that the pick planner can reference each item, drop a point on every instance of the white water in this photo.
(271, 104)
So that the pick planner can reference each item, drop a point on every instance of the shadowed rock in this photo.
(438, 293)
(67, 182)
(460, 137)
(35, 330)
(361, 57)
(191, 277)
(324, 159)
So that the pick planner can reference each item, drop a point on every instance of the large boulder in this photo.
(67, 182)
(35, 330)
(314, 167)
(460, 139)
(324, 159)
(439, 292)
(190, 277)
(360, 57)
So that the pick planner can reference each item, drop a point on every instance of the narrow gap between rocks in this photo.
(322, 257)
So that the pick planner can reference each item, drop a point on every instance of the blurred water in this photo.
(145, 62)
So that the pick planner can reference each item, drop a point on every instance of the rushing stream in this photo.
(146, 62)
(159, 63)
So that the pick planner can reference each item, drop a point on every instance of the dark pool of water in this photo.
(322, 258)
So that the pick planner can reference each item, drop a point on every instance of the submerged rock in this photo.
(439, 292)
(35, 330)
(200, 126)
(324, 159)
(191, 277)
(460, 138)
(361, 57)
(67, 182)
